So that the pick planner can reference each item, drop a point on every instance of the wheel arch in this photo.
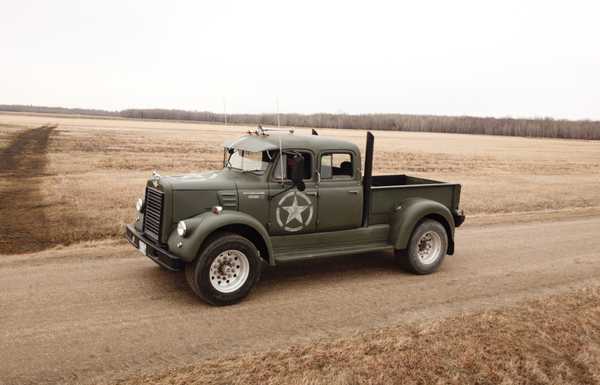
(245, 231)
(204, 226)
(411, 212)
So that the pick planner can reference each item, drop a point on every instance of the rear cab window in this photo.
(337, 165)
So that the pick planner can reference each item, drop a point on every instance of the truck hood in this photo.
(212, 180)
(192, 194)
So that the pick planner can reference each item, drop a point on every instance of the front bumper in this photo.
(154, 252)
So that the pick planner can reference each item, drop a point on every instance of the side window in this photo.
(277, 172)
(336, 166)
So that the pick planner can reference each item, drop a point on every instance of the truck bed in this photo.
(400, 180)
(388, 191)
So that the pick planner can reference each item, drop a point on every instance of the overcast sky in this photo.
(486, 58)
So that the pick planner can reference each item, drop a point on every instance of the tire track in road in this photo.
(23, 223)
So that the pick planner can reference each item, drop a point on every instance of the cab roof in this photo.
(257, 143)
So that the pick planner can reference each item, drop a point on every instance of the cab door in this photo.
(292, 211)
(340, 191)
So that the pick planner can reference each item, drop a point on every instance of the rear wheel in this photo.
(225, 271)
(427, 248)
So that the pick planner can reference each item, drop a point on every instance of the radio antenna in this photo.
(281, 158)
(277, 102)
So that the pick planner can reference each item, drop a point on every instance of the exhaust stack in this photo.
(367, 179)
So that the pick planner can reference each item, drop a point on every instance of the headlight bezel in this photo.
(182, 228)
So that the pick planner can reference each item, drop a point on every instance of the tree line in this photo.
(540, 127)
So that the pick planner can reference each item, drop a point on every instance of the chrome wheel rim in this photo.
(429, 247)
(229, 271)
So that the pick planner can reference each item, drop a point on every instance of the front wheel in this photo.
(427, 248)
(225, 271)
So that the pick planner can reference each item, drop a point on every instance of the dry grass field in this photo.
(95, 169)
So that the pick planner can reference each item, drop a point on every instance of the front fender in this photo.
(203, 225)
(413, 210)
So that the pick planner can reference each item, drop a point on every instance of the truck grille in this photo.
(153, 213)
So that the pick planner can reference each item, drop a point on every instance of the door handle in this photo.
(312, 193)
(353, 191)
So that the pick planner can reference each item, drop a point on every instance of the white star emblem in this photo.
(297, 216)
(294, 211)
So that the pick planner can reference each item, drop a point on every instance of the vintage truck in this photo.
(285, 197)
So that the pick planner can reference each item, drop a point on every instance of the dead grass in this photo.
(550, 341)
(7, 132)
(97, 167)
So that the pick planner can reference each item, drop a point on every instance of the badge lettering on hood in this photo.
(294, 211)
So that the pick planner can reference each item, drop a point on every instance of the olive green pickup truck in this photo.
(285, 197)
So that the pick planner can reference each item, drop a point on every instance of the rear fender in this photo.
(202, 226)
(413, 210)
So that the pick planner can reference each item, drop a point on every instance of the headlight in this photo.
(181, 228)
(139, 205)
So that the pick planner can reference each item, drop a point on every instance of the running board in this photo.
(325, 244)
(322, 253)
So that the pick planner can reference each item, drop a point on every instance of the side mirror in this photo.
(296, 171)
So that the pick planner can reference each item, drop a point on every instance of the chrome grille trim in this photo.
(153, 213)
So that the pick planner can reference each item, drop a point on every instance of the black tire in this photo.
(425, 231)
(198, 273)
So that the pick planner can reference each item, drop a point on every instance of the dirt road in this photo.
(97, 313)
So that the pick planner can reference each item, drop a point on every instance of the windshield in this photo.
(248, 161)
